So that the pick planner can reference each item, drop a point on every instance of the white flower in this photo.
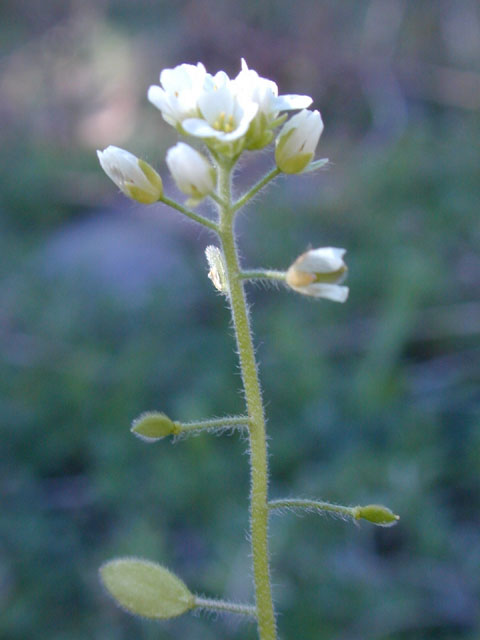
(319, 273)
(297, 140)
(229, 115)
(135, 177)
(225, 117)
(191, 170)
(264, 93)
(177, 97)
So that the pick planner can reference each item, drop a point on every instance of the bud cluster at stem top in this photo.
(229, 115)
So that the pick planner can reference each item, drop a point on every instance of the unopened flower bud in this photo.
(297, 141)
(319, 273)
(191, 170)
(217, 268)
(377, 514)
(135, 177)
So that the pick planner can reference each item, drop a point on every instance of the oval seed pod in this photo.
(377, 514)
(146, 588)
(152, 426)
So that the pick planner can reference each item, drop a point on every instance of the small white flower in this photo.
(135, 177)
(264, 93)
(297, 141)
(191, 170)
(225, 117)
(319, 273)
(177, 97)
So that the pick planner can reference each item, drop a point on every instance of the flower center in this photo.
(222, 123)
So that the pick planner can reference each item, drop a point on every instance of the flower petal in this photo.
(330, 291)
(199, 128)
(289, 102)
(322, 260)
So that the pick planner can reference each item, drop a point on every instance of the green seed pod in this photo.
(145, 588)
(152, 426)
(377, 514)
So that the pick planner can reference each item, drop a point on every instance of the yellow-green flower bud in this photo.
(136, 178)
(146, 588)
(297, 141)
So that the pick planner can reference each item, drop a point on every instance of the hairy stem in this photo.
(215, 423)
(222, 605)
(257, 434)
(262, 274)
(190, 214)
(241, 202)
(313, 505)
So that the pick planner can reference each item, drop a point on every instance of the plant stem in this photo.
(215, 423)
(262, 274)
(190, 214)
(257, 434)
(222, 605)
(313, 505)
(255, 189)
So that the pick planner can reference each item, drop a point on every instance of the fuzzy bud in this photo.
(297, 141)
(318, 273)
(191, 170)
(135, 177)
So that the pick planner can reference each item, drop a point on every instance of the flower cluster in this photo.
(230, 115)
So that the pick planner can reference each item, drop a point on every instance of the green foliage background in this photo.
(106, 311)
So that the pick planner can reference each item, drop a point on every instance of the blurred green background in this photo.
(106, 311)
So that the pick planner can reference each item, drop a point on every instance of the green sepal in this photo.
(317, 164)
(261, 141)
(146, 588)
(230, 150)
(296, 163)
(278, 121)
(152, 176)
(140, 195)
(153, 425)
(280, 143)
(291, 163)
(377, 514)
(259, 134)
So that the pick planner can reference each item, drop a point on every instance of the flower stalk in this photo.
(253, 397)
(196, 217)
(263, 274)
(241, 202)
(225, 607)
(228, 116)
